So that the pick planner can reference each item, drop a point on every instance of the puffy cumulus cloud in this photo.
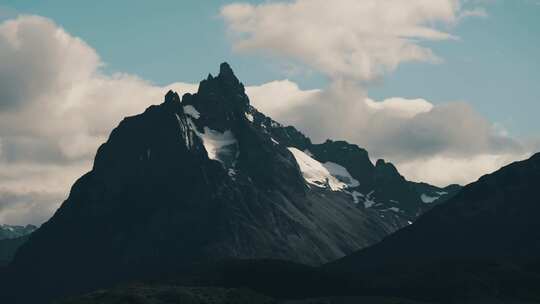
(56, 107)
(37, 58)
(441, 170)
(400, 107)
(440, 144)
(278, 97)
(353, 43)
(359, 40)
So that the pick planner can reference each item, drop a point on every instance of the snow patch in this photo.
(368, 200)
(356, 195)
(191, 111)
(428, 199)
(308, 152)
(187, 128)
(249, 117)
(341, 174)
(322, 175)
(222, 147)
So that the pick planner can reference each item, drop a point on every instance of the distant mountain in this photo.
(208, 177)
(11, 232)
(11, 238)
(9, 247)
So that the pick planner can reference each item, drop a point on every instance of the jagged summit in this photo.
(226, 72)
(222, 99)
(172, 97)
(387, 169)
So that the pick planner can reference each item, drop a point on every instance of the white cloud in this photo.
(359, 40)
(38, 58)
(278, 97)
(401, 107)
(354, 42)
(442, 170)
(56, 107)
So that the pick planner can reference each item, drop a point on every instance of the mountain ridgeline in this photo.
(14, 231)
(11, 238)
(207, 177)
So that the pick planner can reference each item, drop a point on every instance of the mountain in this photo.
(378, 187)
(485, 241)
(11, 232)
(11, 238)
(207, 177)
(9, 247)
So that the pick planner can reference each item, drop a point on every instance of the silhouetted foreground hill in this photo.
(484, 242)
(495, 218)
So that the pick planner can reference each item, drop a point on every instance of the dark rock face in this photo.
(188, 182)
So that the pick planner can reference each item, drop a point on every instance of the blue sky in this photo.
(494, 66)
(59, 101)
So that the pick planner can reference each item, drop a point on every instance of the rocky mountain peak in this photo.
(172, 97)
(226, 73)
(225, 88)
(386, 169)
(221, 101)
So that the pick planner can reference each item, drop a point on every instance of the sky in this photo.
(446, 89)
